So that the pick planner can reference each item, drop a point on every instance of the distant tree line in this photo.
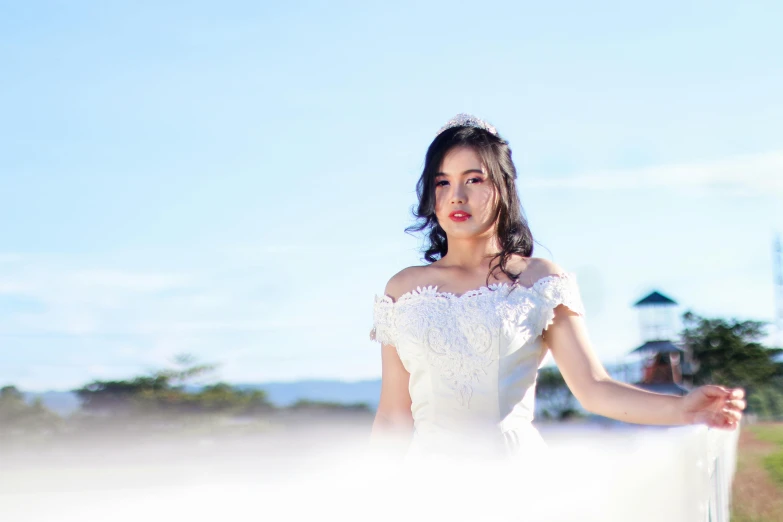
(166, 399)
(167, 392)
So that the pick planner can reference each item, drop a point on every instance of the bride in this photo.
(463, 336)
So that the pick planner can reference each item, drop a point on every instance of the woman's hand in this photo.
(715, 406)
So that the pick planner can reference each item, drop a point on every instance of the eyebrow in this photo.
(469, 171)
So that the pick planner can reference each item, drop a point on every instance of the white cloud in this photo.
(742, 175)
(125, 281)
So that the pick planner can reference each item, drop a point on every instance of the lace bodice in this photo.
(473, 357)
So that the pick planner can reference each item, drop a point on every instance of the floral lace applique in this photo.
(383, 321)
(556, 291)
(455, 334)
(461, 348)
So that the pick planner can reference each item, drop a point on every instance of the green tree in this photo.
(730, 353)
(171, 391)
(226, 398)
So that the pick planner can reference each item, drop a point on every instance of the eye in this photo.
(444, 182)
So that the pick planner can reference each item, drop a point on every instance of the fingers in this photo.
(712, 390)
(736, 404)
(732, 413)
(728, 425)
(730, 416)
(724, 422)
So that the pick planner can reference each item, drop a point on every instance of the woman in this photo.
(463, 336)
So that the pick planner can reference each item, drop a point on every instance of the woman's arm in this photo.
(394, 408)
(393, 424)
(600, 394)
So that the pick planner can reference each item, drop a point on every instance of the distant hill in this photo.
(280, 393)
(61, 402)
(287, 393)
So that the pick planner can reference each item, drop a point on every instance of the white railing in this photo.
(721, 465)
(672, 474)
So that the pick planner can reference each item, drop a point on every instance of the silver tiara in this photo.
(468, 120)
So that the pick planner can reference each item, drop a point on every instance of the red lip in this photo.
(459, 215)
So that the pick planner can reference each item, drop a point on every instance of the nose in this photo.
(458, 194)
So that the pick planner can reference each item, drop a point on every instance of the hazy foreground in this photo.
(326, 470)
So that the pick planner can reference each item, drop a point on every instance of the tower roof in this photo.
(655, 298)
(651, 347)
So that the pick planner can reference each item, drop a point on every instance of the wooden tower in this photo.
(667, 368)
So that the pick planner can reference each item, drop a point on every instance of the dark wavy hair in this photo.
(512, 229)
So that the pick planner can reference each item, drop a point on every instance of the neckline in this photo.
(432, 290)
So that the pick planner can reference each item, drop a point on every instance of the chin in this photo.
(467, 234)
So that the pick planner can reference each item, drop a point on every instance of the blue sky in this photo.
(233, 179)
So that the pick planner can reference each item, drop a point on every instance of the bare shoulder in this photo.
(544, 267)
(531, 269)
(405, 280)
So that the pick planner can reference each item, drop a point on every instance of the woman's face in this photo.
(465, 197)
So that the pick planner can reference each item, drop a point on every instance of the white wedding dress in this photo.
(473, 360)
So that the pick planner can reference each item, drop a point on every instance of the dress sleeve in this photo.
(383, 330)
(559, 289)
